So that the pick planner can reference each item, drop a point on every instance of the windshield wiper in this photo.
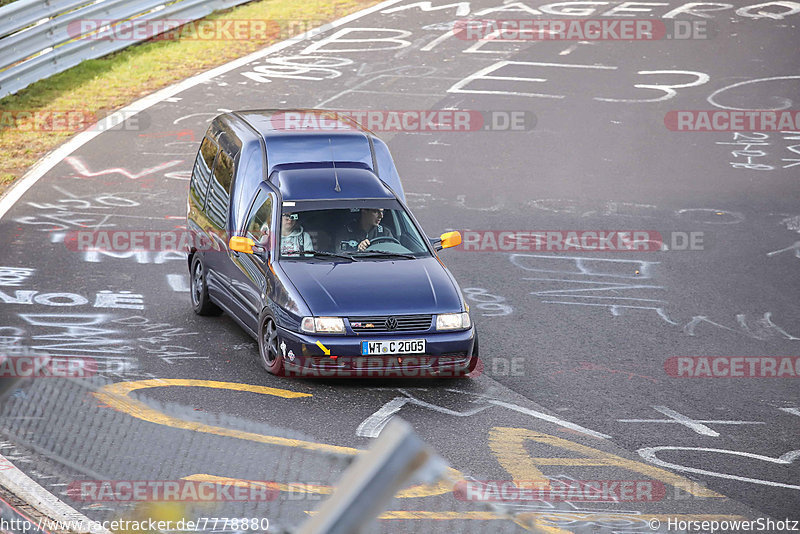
(322, 253)
(373, 253)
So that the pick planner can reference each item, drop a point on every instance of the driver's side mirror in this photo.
(447, 240)
(246, 245)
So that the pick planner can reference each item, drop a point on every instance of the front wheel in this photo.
(270, 355)
(201, 303)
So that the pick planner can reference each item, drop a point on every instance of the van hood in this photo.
(369, 287)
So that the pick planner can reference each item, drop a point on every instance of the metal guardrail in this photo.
(38, 38)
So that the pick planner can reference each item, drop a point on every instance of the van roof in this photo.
(287, 121)
(320, 137)
(319, 183)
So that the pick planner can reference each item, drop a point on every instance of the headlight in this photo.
(322, 325)
(453, 321)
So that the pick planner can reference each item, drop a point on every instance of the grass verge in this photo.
(98, 87)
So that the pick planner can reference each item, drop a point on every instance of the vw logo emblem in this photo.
(391, 323)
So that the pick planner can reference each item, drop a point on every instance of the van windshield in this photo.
(359, 229)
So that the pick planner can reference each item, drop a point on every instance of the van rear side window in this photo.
(202, 171)
(220, 189)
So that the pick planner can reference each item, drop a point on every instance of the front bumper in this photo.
(446, 354)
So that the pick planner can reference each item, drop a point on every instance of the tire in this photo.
(268, 340)
(198, 290)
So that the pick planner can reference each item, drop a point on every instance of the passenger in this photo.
(358, 234)
(294, 240)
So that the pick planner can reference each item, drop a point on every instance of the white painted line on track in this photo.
(178, 283)
(41, 167)
(550, 418)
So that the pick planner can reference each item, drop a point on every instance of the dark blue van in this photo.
(302, 235)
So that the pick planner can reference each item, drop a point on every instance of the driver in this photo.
(359, 233)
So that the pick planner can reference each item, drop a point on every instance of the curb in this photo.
(26, 489)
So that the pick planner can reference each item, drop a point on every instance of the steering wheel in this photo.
(383, 239)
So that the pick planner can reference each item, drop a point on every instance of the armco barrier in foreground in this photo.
(273, 477)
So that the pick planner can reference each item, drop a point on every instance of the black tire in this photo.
(198, 290)
(268, 341)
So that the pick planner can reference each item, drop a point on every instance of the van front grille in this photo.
(391, 323)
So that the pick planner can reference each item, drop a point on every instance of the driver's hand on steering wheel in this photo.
(363, 245)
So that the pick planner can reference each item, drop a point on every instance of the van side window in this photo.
(202, 171)
(259, 221)
(219, 191)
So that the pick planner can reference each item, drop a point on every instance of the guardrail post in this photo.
(373, 479)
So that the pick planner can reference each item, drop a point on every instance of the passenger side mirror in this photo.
(450, 239)
(447, 240)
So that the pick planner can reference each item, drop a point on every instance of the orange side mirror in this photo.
(245, 244)
(450, 239)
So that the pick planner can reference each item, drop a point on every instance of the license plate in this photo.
(406, 346)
